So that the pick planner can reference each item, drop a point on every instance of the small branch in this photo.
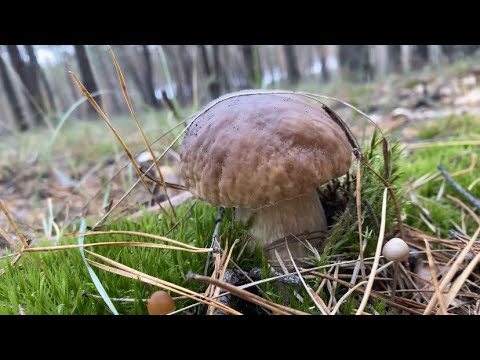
(215, 243)
(465, 193)
(170, 105)
(257, 300)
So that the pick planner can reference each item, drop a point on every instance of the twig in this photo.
(378, 252)
(433, 272)
(139, 126)
(215, 244)
(284, 310)
(453, 269)
(14, 225)
(359, 219)
(465, 193)
(320, 304)
(392, 195)
(464, 207)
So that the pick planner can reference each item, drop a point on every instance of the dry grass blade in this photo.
(458, 283)
(345, 297)
(139, 234)
(453, 269)
(104, 217)
(460, 203)
(436, 286)
(135, 274)
(115, 132)
(392, 195)
(9, 239)
(373, 294)
(315, 298)
(162, 285)
(14, 225)
(119, 243)
(378, 252)
(442, 143)
(257, 300)
(224, 267)
(139, 126)
(359, 218)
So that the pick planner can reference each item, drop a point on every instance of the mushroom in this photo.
(265, 154)
(395, 250)
(160, 303)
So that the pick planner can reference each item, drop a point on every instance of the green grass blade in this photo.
(96, 281)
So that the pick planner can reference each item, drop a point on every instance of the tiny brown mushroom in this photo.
(160, 303)
(265, 154)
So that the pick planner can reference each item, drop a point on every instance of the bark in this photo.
(86, 73)
(248, 58)
(30, 84)
(292, 63)
(110, 79)
(325, 73)
(355, 62)
(18, 116)
(38, 73)
(151, 99)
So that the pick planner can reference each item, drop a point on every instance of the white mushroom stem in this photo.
(302, 216)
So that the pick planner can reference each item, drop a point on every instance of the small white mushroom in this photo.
(396, 250)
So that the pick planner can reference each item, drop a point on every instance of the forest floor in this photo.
(52, 180)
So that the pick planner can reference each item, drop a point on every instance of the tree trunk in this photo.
(292, 63)
(421, 55)
(150, 88)
(30, 83)
(434, 54)
(324, 72)
(212, 80)
(394, 56)
(183, 58)
(86, 72)
(113, 86)
(355, 62)
(248, 58)
(406, 58)
(381, 57)
(131, 70)
(18, 116)
(38, 72)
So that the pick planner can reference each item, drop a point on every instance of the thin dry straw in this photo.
(448, 277)
(322, 307)
(129, 272)
(115, 132)
(9, 239)
(139, 126)
(433, 272)
(284, 310)
(14, 225)
(378, 252)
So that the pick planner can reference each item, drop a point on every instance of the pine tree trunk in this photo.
(292, 64)
(355, 62)
(248, 54)
(39, 73)
(86, 72)
(18, 116)
(30, 83)
(148, 79)
(325, 73)
(113, 86)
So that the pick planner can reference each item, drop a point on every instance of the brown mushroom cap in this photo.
(256, 150)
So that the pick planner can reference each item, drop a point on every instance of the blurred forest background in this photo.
(36, 88)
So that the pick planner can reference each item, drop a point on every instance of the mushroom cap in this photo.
(160, 303)
(254, 150)
(396, 250)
